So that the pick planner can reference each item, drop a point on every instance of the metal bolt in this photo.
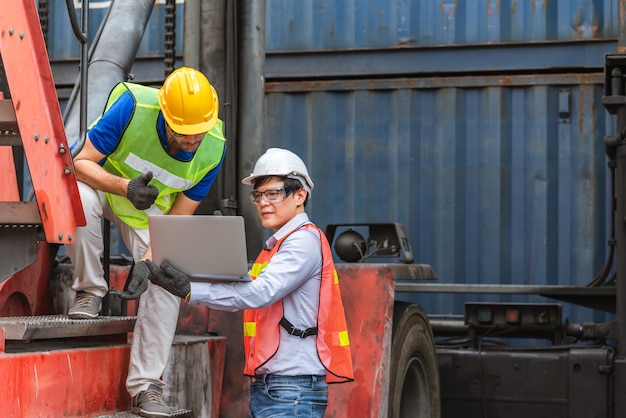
(46, 139)
(36, 137)
(67, 171)
(60, 236)
(62, 149)
(22, 35)
(11, 31)
(69, 237)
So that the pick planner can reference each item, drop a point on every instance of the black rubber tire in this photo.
(414, 375)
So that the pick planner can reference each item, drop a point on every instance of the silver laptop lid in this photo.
(206, 247)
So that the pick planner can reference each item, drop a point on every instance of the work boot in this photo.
(86, 306)
(149, 403)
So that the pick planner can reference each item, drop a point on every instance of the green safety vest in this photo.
(140, 150)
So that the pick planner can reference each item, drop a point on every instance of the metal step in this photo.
(26, 328)
(19, 213)
(20, 229)
(178, 413)
(9, 131)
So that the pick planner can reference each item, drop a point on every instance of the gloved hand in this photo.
(140, 193)
(174, 281)
(138, 281)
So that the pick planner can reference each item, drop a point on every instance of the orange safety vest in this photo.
(262, 326)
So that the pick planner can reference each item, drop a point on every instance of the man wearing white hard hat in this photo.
(295, 332)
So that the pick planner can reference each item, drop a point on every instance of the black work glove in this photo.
(174, 281)
(138, 281)
(140, 193)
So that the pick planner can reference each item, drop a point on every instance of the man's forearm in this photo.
(97, 177)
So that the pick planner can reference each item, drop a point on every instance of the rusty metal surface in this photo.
(367, 291)
(60, 326)
(235, 391)
(70, 381)
(400, 271)
(85, 378)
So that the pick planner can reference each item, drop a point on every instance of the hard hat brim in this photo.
(196, 129)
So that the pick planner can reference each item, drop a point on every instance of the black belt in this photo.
(295, 331)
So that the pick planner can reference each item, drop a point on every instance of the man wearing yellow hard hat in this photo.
(152, 151)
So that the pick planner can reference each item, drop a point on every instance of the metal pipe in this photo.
(620, 235)
(210, 57)
(252, 110)
(80, 35)
(448, 328)
(84, 72)
(111, 60)
(191, 34)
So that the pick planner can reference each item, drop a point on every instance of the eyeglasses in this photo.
(272, 195)
(177, 135)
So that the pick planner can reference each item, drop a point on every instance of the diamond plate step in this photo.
(24, 328)
(178, 413)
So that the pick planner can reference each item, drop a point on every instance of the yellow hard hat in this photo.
(189, 102)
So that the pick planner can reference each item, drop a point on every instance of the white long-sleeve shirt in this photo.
(294, 275)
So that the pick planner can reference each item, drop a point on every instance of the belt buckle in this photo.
(297, 332)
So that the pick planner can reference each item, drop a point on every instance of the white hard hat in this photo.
(280, 162)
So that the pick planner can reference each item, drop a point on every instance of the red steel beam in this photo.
(39, 119)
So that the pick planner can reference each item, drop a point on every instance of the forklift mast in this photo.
(614, 100)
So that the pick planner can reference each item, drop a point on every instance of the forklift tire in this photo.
(414, 374)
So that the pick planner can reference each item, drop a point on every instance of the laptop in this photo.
(209, 248)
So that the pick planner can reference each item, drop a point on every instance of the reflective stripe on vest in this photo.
(140, 151)
(262, 331)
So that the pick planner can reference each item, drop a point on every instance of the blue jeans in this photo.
(288, 396)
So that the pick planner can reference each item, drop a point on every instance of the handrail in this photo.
(82, 36)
